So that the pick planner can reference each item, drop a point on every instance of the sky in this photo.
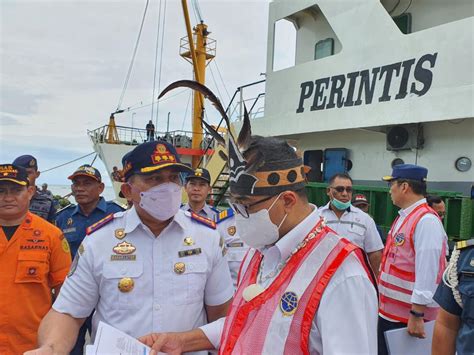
(63, 66)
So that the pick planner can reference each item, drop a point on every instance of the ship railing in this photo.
(135, 136)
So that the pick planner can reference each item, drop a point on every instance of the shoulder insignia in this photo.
(464, 244)
(121, 205)
(96, 226)
(223, 215)
(203, 220)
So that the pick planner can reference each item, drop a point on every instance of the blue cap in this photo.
(200, 173)
(151, 156)
(87, 170)
(26, 161)
(407, 171)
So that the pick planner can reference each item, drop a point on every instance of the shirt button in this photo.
(157, 307)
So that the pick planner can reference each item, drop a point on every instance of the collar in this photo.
(206, 210)
(406, 211)
(290, 240)
(101, 205)
(328, 207)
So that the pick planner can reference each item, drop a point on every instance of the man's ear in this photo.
(101, 187)
(37, 174)
(31, 191)
(126, 190)
(289, 200)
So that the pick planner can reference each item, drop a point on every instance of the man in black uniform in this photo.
(41, 204)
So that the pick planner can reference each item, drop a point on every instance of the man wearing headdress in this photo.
(300, 281)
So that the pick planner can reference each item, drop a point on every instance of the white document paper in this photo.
(399, 342)
(110, 340)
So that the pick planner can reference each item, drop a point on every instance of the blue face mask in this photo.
(341, 206)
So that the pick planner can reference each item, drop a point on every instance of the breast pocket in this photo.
(123, 282)
(466, 289)
(357, 234)
(189, 285)
(32, 267)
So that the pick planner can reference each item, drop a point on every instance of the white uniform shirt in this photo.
(429, 238)
(236, 249)
(206, 211)
(346, 321)
(161, 299)
(355, 225)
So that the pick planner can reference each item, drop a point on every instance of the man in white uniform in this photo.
(349, 221)
(276, 307)
(197, 188)
(151, 268)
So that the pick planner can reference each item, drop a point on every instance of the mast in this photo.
(198, 49)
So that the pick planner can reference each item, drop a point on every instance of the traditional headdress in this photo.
(256, 176)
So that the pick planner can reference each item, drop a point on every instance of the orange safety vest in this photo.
(279, 320)
(397, 275)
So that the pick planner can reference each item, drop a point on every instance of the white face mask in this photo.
(162, 201)
(258, 230)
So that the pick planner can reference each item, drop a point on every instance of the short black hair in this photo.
(340, 176)
(418, 187)
(433, 200)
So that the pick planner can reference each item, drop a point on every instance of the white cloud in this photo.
(63, 64)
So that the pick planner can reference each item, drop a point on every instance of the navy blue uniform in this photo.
(444, 297)
(43, 205)
(74, 224)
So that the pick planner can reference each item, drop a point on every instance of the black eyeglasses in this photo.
(341, 189)
(243, 209)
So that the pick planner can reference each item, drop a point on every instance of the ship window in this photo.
(403, 22)
(324, 48)
(284, 45)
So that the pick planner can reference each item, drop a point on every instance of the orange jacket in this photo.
(35, 260)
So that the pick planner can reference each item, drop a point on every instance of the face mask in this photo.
(161, 202)
(258, 230)
(341, 206)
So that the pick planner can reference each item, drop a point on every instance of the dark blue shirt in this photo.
(74, 223)
(444, 297)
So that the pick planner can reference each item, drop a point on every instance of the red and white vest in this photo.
(397, 271)
(279, 320)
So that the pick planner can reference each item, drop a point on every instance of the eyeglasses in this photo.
(243, 209)
(341, 189)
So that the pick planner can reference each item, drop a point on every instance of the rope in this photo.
(69, 162)
(156, 60)
(161, 60)
(450, 276)
(186, 111)
(133, 57)
(222, 79)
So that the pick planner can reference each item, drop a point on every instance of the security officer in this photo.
(41, 204)
(351, 222)
(454, 327)
(87, 186)
(151, 268)
(34, 258)
(197, 188)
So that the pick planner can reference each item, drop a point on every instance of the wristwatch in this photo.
(417, 314)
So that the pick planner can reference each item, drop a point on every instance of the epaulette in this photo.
(65, 208)
(223, 215)
(97, 225)
(214, 209)
(464, 244)
(203, 220)
(121, 205)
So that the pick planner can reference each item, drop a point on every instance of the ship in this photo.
(361, 86)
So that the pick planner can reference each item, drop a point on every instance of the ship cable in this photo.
(160, 28)
(69, 162)
(161, 62)
(133, 58)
